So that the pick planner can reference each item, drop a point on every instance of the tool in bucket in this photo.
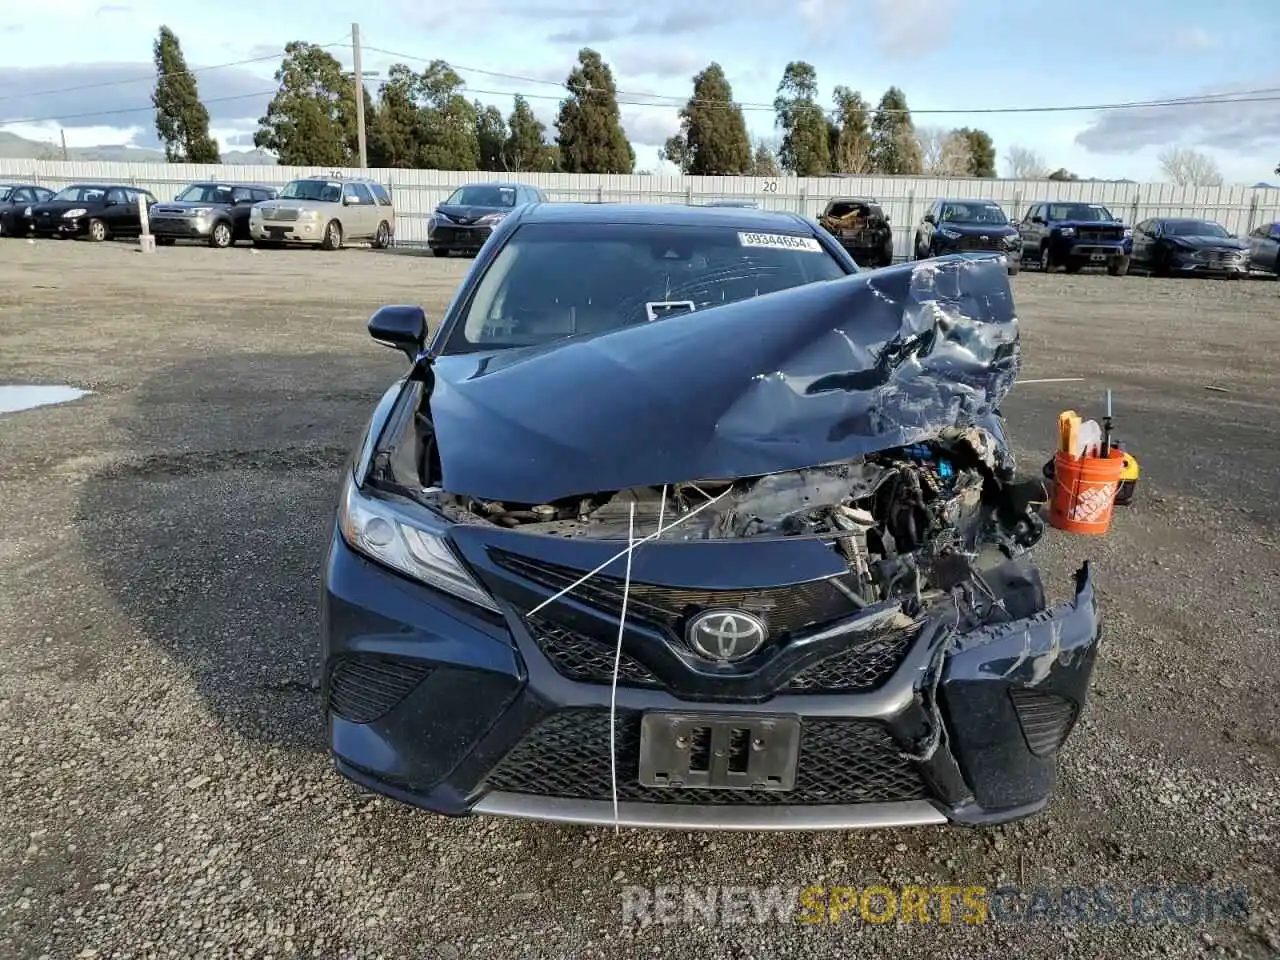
(1091, 473)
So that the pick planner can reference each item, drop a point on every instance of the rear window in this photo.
(552, 281)
(844, 208)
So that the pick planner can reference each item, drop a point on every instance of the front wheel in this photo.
(97, 230)
(1118, 266)
(439, 251)
(1047, 263)
(220, 236)
(1014, 268)
(332, 235)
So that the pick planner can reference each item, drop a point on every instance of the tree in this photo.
(944, 153)
(1025, 164)
(526, 148)
(182, 122)
(806, 149)
(311, 119)
(448, 119)
(1190, 168)
(895, 151)
(491, 137)
(1062, 173)
(395, 131)
(852, 140)
(982, 152)
(713, 135)
(764, 162)
(589, 127)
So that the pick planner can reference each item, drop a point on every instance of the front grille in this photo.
(862, 667)
(282, 214)
(362, 687)
(977, 243)
(583, 658)
(785, 610)
(841, 761)
(168, 212)
(1094, 236)
(1046, 719)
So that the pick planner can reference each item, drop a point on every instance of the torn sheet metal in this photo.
(801, 377)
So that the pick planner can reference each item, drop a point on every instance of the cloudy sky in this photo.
(85, 65)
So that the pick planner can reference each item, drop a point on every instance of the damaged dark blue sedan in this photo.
(680, 520)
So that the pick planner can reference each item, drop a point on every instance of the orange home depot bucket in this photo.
(1084, 491)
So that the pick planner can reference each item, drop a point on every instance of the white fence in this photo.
(905, 199)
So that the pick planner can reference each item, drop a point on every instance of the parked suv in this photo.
(325, 211)
(953, 226)
(469, 215)
(217, 213)
(1071, 235)
(860, 225)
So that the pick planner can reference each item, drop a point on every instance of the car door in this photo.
(119, 214)
(1036, 230)
(1264, 247)
(357, 205)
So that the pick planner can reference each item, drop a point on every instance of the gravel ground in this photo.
(167, 792)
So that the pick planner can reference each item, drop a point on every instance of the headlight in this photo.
(254, 213)
(489, 219)
(77, 212)
(1128, 232)
(309, 215)
(949, 234)
(1012, 241)
(1067, 231)
(200, 211)
(385, 532)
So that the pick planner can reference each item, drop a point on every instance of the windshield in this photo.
(553, 281)
(1195, 228)
(325, 191)
(1094, 212)
(206, 193)
(81, 194)
(980, 212)
(480, 195)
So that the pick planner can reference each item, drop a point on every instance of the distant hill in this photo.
(14, 147)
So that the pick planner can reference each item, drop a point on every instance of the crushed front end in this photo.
(860, 643)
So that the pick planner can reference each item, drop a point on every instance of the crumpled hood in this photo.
(793, 379)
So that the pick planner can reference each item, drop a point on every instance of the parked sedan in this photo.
(953, 226)
(697, 456)
(1169, 246)
(1264, 248)
(14, 200)
(216, 213)
(92, 210)
(465, 220)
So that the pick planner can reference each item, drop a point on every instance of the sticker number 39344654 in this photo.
(780, 241)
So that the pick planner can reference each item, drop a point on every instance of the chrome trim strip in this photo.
(663, 816)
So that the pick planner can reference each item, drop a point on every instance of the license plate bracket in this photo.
(1097, 257)
(698, 751)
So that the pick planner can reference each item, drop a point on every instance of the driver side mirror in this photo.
(930, 218)
(1037, 220)
(402, 327)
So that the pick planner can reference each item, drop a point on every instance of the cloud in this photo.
(1237, 124)
(601, 29)
(119, 94)
(649, 126)
(108, 8)
(1193, 38)
(656, 62)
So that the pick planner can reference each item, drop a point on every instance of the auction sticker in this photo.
(780, 241)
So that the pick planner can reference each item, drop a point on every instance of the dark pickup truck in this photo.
(1072, 235)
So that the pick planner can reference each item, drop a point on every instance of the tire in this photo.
(221, 236)
(1014, 268)
(1073, 266)
(382, 239)
(915, 249)
(1047, 264)
(1159, 264)
(165, 241)
(1118, 266)
(332, 236)
(439, 252)
(97, 231)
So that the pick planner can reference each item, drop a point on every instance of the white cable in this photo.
(617, 652)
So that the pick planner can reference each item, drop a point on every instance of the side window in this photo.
(349, 193)
(380, 194)
(363, 194)
(117, 195)
(242, 193)
(22, 195)
(44, 195)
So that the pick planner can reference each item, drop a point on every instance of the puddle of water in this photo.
(15, 397)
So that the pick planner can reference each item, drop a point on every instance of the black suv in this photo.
(467, 218)
(217, 213)
(954, 226)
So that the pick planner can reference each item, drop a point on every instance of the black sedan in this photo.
(464, 221)
(954, 226)
(14, 200)
(696, 457)
(93, 210)
(1170, 246)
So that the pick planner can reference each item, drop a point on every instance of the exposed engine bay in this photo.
(909, 521)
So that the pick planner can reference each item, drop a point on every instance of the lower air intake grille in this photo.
(1046, 719)
(584, 658)
(362, 687)
(841, 762)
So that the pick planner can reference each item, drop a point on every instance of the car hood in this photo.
(1211, 243)
(191, 204)
(468, 214)
(1088, 224)
(792, 379)
(980, 229)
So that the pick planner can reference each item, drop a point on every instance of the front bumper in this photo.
(445, 707)
(1101, 252)
(1216, 264)
(452, 236)
(288, 231)
(191, 228)
(57, 226)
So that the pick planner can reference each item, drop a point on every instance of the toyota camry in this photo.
(678, 519)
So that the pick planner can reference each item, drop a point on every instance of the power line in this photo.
(119, 112)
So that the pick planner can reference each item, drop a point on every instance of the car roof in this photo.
(237, 183)
(966, 200)
(659, 214)
(103, 186)
(494, 183)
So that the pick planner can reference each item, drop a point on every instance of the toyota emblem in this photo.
(726, 635)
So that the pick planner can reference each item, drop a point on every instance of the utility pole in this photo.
(64, 146)
(359, 81)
